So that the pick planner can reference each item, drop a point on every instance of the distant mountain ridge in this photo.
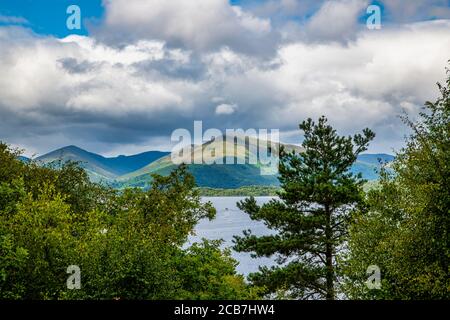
(98, 167)
(135, 170)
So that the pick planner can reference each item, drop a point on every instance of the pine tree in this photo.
(310, 219)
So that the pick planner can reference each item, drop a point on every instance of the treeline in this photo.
(259, 191)
(127, 244)
(246, 191)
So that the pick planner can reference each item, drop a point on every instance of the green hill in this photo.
(223, 176)
(98, 167)
(213, 175)
(136, 170)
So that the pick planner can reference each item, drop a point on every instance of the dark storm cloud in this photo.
(72, 65)
(194, 70)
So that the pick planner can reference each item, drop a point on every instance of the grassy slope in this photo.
(215, 175)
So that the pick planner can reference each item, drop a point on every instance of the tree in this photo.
(11, 182)
(70, 180)
(318, 194)
(207, 272)
(404, 226)
(41, 228)
(130, 254)
(10, 167)
(12, 261)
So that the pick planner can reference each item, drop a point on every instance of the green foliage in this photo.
(256, 191)
(209, 273)
(12, 263)
(123, 257)
(10, 167)
(43, 227)
(404, 227)
(128, 244)
(318, 194)
(259, 191)
(11, 182)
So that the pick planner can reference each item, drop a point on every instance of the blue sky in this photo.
(139, 69)
(49, 16)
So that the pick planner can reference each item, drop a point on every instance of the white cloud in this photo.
(199, 25)
(79, 89)
(226, 109)
(365, 83)
(110, 82)
(251, 22)
(98, 52)
(336, 20)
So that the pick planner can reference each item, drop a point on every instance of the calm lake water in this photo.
(231, 221)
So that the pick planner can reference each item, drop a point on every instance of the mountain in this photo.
(374, 159)
(213, 175)
(98, 167)
(232, 176)
(370, 164)
(135, 170)
(23, 159)
(91, 162)
(125, 164)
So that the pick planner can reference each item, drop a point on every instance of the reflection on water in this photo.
(231, 221)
